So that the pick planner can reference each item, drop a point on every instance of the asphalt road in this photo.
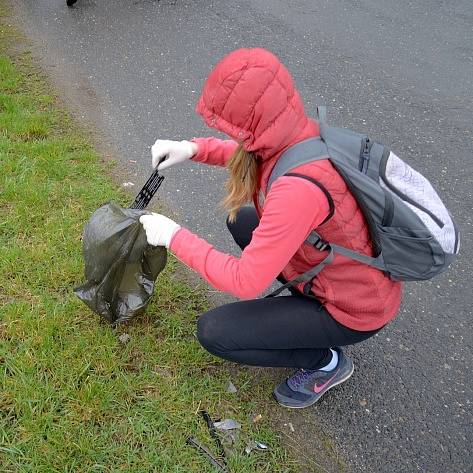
(402, 70)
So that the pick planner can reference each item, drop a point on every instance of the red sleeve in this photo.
(214, 151)
(293, 208)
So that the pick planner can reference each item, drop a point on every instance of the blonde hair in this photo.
(242, 181)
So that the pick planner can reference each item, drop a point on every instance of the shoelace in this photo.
(300, 377)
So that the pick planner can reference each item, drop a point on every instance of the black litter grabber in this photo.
(148, 190)
(120, 267)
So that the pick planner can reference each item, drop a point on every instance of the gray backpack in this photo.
(413, 234)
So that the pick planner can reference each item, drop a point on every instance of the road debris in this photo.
(231, 388)
(202, 449)
(254, 445)
(128, 184)
(227, 424)
(257, 418)
(291, 427)
(229, 437)
(213, 433)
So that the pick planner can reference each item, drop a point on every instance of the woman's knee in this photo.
(243, 226)
(209, 332)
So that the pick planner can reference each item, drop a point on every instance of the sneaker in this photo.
(305, 387)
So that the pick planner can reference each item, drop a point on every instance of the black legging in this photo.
(290, 331)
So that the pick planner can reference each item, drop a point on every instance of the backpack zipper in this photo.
(364, 155)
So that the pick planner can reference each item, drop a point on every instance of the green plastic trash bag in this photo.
(120, 267)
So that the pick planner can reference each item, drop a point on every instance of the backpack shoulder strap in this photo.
(322, 113)
(313, 149)
(322, 188)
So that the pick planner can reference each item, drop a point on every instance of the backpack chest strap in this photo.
(315, 240)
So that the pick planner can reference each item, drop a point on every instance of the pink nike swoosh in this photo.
(317, 389)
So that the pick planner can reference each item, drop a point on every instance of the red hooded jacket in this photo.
(250, 96)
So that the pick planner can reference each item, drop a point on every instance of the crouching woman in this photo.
(250, 96)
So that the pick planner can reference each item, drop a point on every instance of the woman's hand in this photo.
(159, 229)
(173, 152)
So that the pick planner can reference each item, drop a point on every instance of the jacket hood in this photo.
(250, 96)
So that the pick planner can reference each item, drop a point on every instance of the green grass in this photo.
(73, 398)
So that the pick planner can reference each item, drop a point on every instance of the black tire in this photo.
(69, 3)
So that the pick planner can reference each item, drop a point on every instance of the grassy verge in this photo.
(73, 398)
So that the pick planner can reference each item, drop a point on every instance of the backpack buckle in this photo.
(317, 242)
(320, 244)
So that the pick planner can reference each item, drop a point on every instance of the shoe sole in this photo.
(340, 381)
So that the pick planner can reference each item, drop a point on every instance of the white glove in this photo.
(159, 229)
(174, 152)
